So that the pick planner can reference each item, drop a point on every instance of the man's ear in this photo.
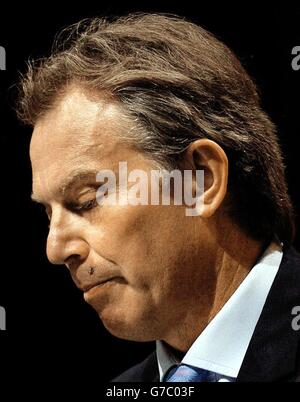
(207, 155)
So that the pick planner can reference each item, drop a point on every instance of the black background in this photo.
(48, 323)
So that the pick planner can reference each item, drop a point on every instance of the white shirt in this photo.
(222, 345)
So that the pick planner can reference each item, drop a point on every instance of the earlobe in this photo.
(207, 155)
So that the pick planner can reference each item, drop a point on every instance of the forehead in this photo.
(76, 122)
(79, 132)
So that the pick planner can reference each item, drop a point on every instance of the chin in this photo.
(125, 327)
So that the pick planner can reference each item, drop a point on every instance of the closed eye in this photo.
(84, 206)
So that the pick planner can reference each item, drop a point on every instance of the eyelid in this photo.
(84, 206)
(85, 195)
(77, 206)
(87, 190)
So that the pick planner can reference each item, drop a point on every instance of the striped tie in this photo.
(186, 373)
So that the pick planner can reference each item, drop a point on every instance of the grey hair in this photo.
(177, 83)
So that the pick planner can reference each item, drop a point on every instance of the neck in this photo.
(234, 256)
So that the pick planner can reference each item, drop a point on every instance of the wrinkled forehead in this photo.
(77, 131)
(77, 121)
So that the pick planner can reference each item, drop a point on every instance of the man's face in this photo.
(141, 264)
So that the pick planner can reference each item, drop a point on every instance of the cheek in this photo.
(144, 241)
(123, 233)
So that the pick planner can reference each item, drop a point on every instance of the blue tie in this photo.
(187, 373)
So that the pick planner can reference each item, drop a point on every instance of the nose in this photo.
(65, 241)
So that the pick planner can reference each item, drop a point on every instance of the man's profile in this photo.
(214, 290)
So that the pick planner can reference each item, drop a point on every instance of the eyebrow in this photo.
(76, 178)
(73, 180)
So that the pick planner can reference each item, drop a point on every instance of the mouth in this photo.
(88, 288)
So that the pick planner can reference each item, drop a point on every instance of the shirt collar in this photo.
(222, 345)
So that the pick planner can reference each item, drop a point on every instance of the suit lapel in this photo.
(272, 353)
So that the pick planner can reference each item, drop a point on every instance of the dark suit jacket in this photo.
(274, 351)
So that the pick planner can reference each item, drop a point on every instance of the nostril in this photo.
(73, 261)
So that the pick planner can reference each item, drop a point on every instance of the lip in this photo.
(87, 288)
